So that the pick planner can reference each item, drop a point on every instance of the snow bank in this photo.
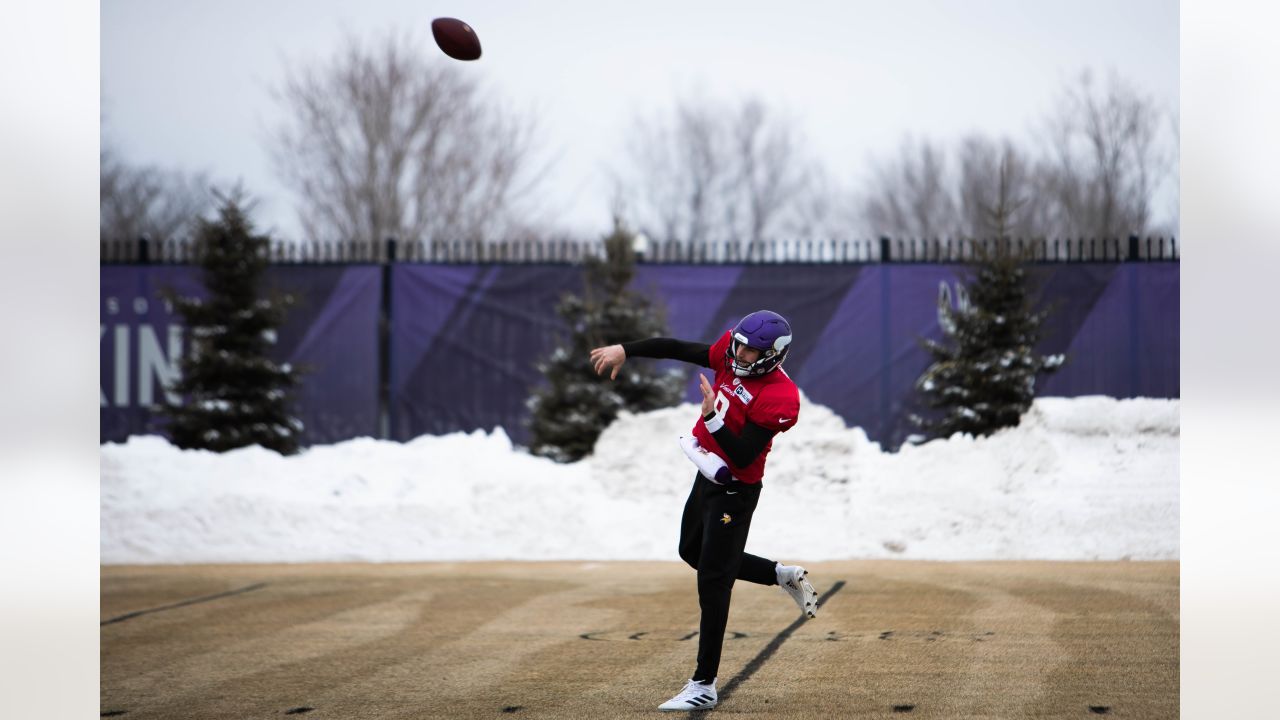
(1083, 478)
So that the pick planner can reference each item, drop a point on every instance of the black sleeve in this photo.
(669, 349)
(745, 448)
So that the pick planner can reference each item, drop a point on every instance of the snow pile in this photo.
(1082, 478)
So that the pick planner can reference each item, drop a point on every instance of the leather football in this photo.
(456, 38)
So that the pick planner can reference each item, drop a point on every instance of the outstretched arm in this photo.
(669, 349)
(613, 356)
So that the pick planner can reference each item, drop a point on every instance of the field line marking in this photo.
(192, 601)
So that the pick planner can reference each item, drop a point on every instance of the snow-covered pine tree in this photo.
(984, 378)
(232, 393)
(576, 405)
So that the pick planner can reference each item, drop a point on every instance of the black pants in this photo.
(713, 534)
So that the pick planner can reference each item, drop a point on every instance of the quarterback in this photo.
(749, 401)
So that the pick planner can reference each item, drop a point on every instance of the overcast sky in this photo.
(187, 84)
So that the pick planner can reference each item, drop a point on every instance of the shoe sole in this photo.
(808, 592)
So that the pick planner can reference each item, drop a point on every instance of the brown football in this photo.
(456, 38)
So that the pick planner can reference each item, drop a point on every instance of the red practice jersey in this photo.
(771, 401)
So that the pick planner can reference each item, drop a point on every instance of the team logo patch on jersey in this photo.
(726, 519)
(742, 394)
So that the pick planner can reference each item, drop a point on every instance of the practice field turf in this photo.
(614, 640)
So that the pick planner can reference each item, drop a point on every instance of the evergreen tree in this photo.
(576, 405)
(984, 378)
(233, 394)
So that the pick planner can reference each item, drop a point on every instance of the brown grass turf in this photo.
(475, 640)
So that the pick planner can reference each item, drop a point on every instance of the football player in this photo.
(747, 403)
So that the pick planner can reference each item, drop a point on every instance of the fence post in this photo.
(884, 249)
(1133, 248)
(144, 250)
(384, 345)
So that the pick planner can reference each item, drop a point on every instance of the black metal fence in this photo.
(883, 250)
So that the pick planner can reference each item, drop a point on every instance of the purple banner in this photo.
(1125, 342)
(331, 334)
(465, 343)
(465, 339)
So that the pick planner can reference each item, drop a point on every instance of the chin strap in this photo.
(731, 356)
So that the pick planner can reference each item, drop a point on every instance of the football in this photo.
(456, 38)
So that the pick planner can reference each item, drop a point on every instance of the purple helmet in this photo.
(766, 331)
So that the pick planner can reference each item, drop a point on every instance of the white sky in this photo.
(187, 84)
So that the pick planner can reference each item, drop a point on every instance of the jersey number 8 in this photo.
(722, 404)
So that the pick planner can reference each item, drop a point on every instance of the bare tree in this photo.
(382, 142)
(1103, 162)
(716, 172)
(678, 176)
(918, 194)
(1097, 176)
(769, 174)
(994, 175)
(814, 213)
(1169, 225)
(146, 200)
(913, 194)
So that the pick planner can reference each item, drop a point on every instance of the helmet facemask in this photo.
(765, 331)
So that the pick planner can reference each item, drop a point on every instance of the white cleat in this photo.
(793, 580)
(694, 696)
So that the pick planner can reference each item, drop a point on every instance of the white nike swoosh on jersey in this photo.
(729, 492)
(784, 420)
